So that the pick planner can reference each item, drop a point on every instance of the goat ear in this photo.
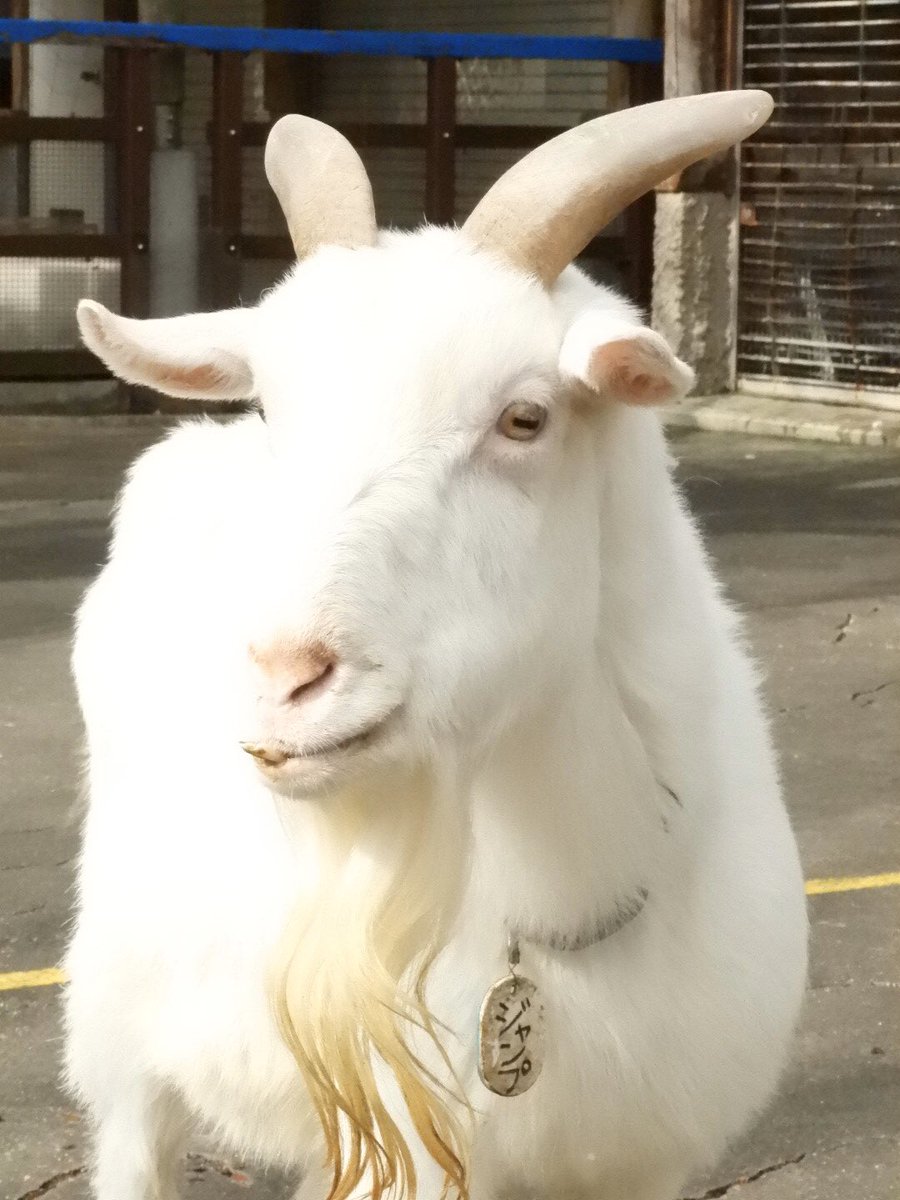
(623, 361)
(197, 357)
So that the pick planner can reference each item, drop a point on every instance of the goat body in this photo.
(557, 713)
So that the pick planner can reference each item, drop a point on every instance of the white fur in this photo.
(546, 616)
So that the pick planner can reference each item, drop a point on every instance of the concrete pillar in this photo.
(695, 283)
(173, 232)
(695, 241)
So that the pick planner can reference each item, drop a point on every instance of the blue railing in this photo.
(244, 39)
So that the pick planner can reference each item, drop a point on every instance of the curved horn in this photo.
(543, 212)
(321, 184)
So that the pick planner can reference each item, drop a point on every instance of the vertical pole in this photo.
(730, 72)
(293, 82)
(135, 144)
(21, 102)
(113, 65)
(440, 144)
(226, 176)
(644, 86)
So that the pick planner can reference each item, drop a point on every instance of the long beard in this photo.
(349, 983)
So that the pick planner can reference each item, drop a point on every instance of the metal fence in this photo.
(87, 232)
(819, 306)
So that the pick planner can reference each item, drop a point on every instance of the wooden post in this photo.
(440, 144)
(226, 178)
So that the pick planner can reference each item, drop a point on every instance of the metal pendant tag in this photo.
(511, 1036)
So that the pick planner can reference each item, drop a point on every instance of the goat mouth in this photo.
(276, 753)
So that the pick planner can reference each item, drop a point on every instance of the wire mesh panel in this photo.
(489, 92)
(38, 298)
(59, 206)
(63, 192)
(820, 198)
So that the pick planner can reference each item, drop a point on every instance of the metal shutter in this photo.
(820, 202)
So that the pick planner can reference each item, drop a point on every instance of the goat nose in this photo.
(290, 673)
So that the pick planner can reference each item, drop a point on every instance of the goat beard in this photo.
(349, 986)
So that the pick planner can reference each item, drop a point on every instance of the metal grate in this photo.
(820, 197)
(38, 298)
(494, 92)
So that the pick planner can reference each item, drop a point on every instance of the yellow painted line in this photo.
(851, 883)
(17, 980)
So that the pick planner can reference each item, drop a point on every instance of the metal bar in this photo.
(292, 85)
(782, 85)
(50, 364)
(811, 172)
(873, 66)
(253, 245)
(731, 41)
(815, 252)
(756, 150)
(20, 127)
(23, 180)
(440, 145)
(135, 144)
(793, 135)
(781, 305)
(847, 290)
(19, 64)
(786, 360)
(825, 186)
(885, 23)
(400, 136)
(853, 22)
(832, 344)
(845, 103)
(811, 44)
(226, 178)
(60, 245)
(645, 84)
(414, 137)
(245, 39)
(777, 6)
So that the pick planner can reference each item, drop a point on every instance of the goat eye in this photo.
(522, 421)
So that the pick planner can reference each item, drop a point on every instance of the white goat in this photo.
(446, 597)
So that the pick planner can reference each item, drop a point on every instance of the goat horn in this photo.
(321, 184)
(543, 212)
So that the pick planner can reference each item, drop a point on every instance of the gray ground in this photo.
(808, 540)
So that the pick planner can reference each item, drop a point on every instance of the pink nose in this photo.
(291, 672)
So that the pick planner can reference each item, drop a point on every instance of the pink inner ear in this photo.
(628, 370)
(203, 378)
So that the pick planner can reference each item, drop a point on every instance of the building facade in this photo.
(775, 267)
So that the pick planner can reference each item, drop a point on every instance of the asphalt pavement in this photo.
(807, 538)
